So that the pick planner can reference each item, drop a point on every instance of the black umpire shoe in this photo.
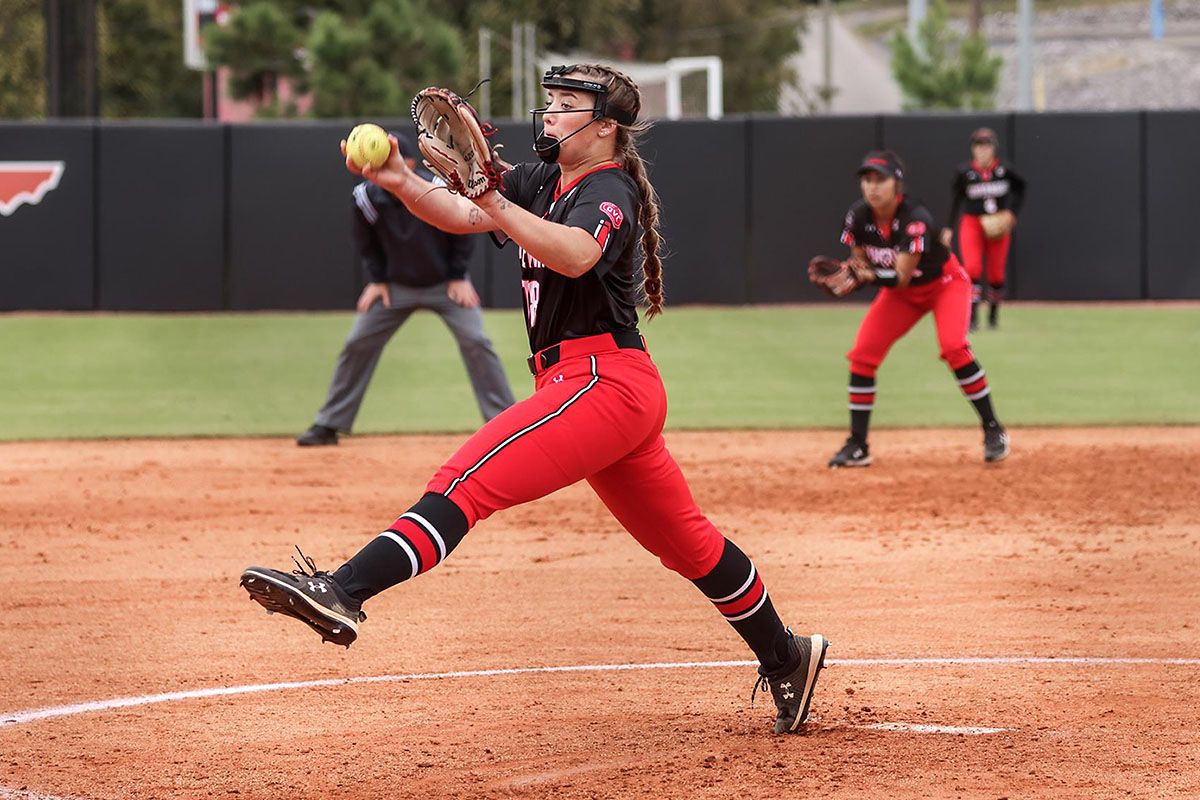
(311, 596)
(995, 443)
(853, 454)
(792, 687)
(317, 436)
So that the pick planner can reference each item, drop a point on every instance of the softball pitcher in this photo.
(990, 195)
(598, 410)
(894, 245)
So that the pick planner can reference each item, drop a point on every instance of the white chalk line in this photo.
(914, 727)
(22, 717)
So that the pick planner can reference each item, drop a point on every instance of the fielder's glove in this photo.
(997, 225)
(455, 143)
(835, 277)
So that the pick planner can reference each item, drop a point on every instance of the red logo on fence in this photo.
(27, 182)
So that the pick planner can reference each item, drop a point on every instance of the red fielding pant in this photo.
(894, 311)
(980, 254)
(596, 415)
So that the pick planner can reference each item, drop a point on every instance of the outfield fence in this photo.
(205, 216)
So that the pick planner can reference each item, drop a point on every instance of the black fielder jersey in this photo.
(981, 191)
(603, 202)
(912, 231)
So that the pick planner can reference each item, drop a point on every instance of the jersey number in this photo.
(532, 290)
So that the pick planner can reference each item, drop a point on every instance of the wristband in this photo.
(886, 277)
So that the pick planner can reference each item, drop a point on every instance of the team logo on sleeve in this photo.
(613, 212)
(916, 228)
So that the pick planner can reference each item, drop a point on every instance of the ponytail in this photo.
(623, 93)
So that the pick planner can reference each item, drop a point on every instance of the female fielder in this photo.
(599, 406)
(893, 236)
(985, 187)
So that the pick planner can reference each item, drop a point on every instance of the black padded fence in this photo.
(699, 170)
(1080, 234)
(289, 207)
(47, 217)
(801, 181)
(195, 216)
(1172, 172)
(160, 217)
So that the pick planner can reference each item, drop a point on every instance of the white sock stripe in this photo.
(432, 531)
(408, 551)
(757, 606)
(981, 393)
(862, 407)
(861, 389)
(745, 586)
(595, 378)
(973, 378)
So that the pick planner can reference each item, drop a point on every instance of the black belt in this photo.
(625, 340)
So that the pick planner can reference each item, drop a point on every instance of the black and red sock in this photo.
(862, 402)
(995, 295)
(736, 589)
(973, 382)
(416, 542)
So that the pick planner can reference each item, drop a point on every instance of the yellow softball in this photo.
(368, 144)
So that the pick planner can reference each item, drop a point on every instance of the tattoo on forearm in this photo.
(475, 216)
(502, 204)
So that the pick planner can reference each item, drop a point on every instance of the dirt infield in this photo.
(119, 561)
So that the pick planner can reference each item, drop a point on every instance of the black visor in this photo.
(553, 79)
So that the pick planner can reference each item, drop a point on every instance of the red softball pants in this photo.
(596, 415)
(981, 254)
(894, 311)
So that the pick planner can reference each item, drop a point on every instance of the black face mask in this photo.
(546, 148)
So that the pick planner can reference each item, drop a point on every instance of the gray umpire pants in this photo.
(372, 331)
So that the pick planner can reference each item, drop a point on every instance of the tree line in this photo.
(359, 58)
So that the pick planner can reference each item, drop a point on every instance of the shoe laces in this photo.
(760, 685)
(312, 571)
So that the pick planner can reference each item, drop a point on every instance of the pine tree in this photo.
(260, 44)
(944, 71)
(359, 58)
(22, 61)
(142, 73)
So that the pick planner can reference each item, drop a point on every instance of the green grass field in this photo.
(129, 375)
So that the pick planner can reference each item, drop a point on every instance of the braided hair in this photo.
(624, 94)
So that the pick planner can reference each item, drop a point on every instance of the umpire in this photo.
(410, 265)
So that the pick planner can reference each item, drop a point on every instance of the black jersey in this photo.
(912, 231)
(603, 202)
(981, 191)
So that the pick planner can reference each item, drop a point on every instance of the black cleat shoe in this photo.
(317, 436)
(995, 443)
(853, 454)
(310, 596)
(792, 687)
